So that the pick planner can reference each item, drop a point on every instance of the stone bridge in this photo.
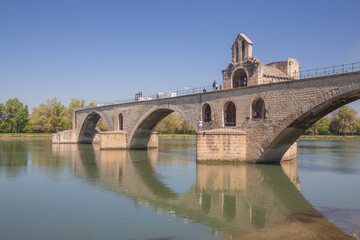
(257, 117)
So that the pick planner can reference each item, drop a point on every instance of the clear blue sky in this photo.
(108, 50)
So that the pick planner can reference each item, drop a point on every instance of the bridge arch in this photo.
(144, 127)
(87, 130)
(285, 134)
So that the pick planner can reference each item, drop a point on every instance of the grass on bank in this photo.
(25, 135)
(184, 136)
(329, 137)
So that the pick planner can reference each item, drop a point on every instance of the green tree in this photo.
(40, 119)
(174, 123)
(59, 117)
(2, 108)
(74, 103)
(51, 116)
(345, 121)
(321, 127)
(15, 116)
(92, 103)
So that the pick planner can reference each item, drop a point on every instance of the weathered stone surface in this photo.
(65, 137)
(221, 146)
(291, 107)
(113, 140)
(154, 140)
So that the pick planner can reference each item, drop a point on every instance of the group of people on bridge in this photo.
(216, 86)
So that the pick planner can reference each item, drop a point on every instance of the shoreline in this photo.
(176, 136)
(8, 136)
(329, 137)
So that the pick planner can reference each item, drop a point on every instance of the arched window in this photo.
(258, 109)
(121, 122)
(206, 111)
(230, 114)
(239, 78)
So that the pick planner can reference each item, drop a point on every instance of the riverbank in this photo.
(175, 136)
(5, 136)
(303, 137)
(329, 137)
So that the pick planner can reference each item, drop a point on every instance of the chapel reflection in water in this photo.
(238, 200)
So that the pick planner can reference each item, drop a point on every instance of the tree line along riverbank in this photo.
(5, 136)
(52, 116)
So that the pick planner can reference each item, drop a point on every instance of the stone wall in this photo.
(221, 146)
(65, 137)
(113, 140)
(154, 140)
(291, 153)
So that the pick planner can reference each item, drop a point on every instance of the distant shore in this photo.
(25, 135)
(176, 136)
(329, 137)
(303, 137)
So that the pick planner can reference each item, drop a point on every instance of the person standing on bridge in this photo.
(200, 124)
(214, 85)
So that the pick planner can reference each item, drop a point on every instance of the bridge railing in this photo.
(317, 72)
(161, 95)
(332, 70)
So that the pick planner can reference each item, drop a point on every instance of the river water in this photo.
(79, 192)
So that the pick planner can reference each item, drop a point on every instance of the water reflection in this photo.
(13, 158)
(241, 201)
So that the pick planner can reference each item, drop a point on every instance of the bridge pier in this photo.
(154, 140)
(113, 140)
(69, 136)
(107, 140)
(221, 145)
(119, 140)
(291, 153)
(229, 145)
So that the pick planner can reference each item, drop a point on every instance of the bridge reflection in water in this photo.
(241, 201)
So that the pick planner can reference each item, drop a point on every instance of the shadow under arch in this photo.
(297, 123)
(141, 134)
(87, 131)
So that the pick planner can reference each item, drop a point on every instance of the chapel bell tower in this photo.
(241, 49)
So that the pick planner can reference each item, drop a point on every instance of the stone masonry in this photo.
(288, 106)
(291, 107)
